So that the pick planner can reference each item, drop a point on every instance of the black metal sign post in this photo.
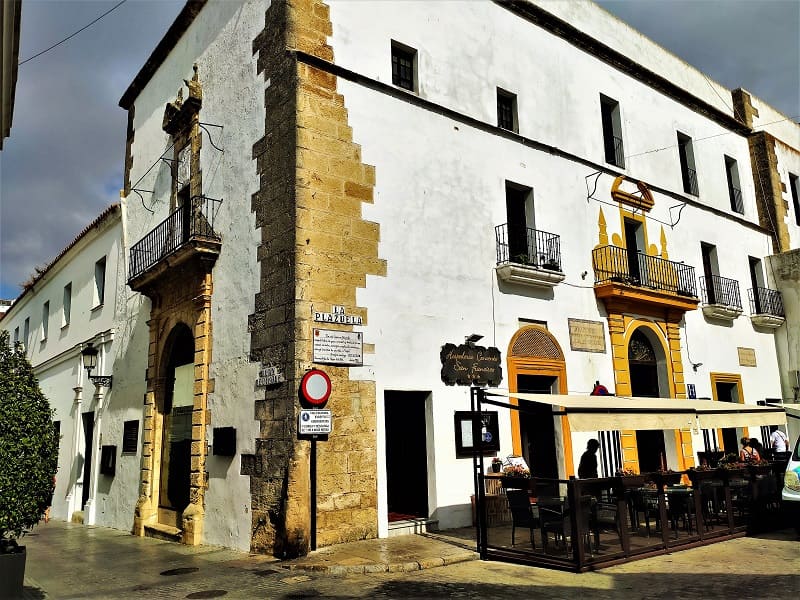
(476, 395)
(313, 465)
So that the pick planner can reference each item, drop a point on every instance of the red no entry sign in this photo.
(315, 387)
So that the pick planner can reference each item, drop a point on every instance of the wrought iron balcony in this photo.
(190, 225)
(721, 297)
(528, 256)
(655, 280)
(766, 307)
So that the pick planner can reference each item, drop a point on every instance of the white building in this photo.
(404, 175)
(74, 302)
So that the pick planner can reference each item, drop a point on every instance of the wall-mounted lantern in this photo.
(90, 362)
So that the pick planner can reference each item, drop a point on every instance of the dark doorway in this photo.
(520, 249)
(88, 434)
(406, 455)
(176, 442)
(644, 383)
(537, 431)
(631, 240)
(728, 392)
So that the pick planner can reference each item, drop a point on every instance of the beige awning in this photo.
(792, 410)
(605, 413)
(712, 414)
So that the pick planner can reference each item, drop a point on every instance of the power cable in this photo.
(84, 28)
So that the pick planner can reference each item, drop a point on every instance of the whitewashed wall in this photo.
(220, 42)
(57, 360)
(439, 195)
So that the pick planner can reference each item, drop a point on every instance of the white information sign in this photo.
(338, 347)
(312, 422)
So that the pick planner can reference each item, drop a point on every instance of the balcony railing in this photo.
(612, 263)
(721, 290)
(736, 200)
(189, 222)
(690, 182)
(614, 151)
(526, 246)
(764, 301)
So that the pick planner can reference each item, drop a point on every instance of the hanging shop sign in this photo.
(269, 375)
(314, 422)
(338, 347)
(471, 365)
(337, 315)
(315, 388)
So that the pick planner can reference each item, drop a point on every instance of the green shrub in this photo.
(28, 446)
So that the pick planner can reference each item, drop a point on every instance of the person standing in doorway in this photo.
(587, 468)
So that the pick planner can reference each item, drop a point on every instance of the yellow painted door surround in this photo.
(735, 379)
(621, 327)
(534, 351)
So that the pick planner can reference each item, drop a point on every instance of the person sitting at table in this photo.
(588, 466)
(748, 453)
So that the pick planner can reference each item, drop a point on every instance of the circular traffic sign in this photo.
(315, 387)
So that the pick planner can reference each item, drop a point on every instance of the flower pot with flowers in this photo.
(667, 477)
(629, 478)
(497, 464)
(515, 476)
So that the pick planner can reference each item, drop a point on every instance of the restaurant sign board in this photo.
(471, 365)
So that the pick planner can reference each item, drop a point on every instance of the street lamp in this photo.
(90, 362)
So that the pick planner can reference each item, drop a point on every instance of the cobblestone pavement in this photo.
(76, 561)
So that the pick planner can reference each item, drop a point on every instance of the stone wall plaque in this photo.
(747, 357)
(338, 347)
(587, 336)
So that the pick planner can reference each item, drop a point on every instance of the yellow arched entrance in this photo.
(534, 351)
(665, 336)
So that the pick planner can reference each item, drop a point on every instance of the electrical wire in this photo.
(84, 28)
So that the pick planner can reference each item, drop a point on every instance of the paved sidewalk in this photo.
(76, 561)
(67, 560)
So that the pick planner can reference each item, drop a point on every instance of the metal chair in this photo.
(522, 513)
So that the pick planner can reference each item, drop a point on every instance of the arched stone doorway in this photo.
(536, 365)
(647, 368)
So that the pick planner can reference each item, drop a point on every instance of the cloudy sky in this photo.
(63, 162)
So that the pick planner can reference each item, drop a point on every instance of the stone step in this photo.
(163, 532)
(413, 526)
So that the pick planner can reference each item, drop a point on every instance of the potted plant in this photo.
(667, 477)
(512, 476)
(629, 478)
(28, 461)
(497, 464)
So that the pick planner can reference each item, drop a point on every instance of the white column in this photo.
(74, 496)
(90, 510)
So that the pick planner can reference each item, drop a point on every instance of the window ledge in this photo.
(96, 307)
(767, 321)
(721, 311)
(528, 275)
